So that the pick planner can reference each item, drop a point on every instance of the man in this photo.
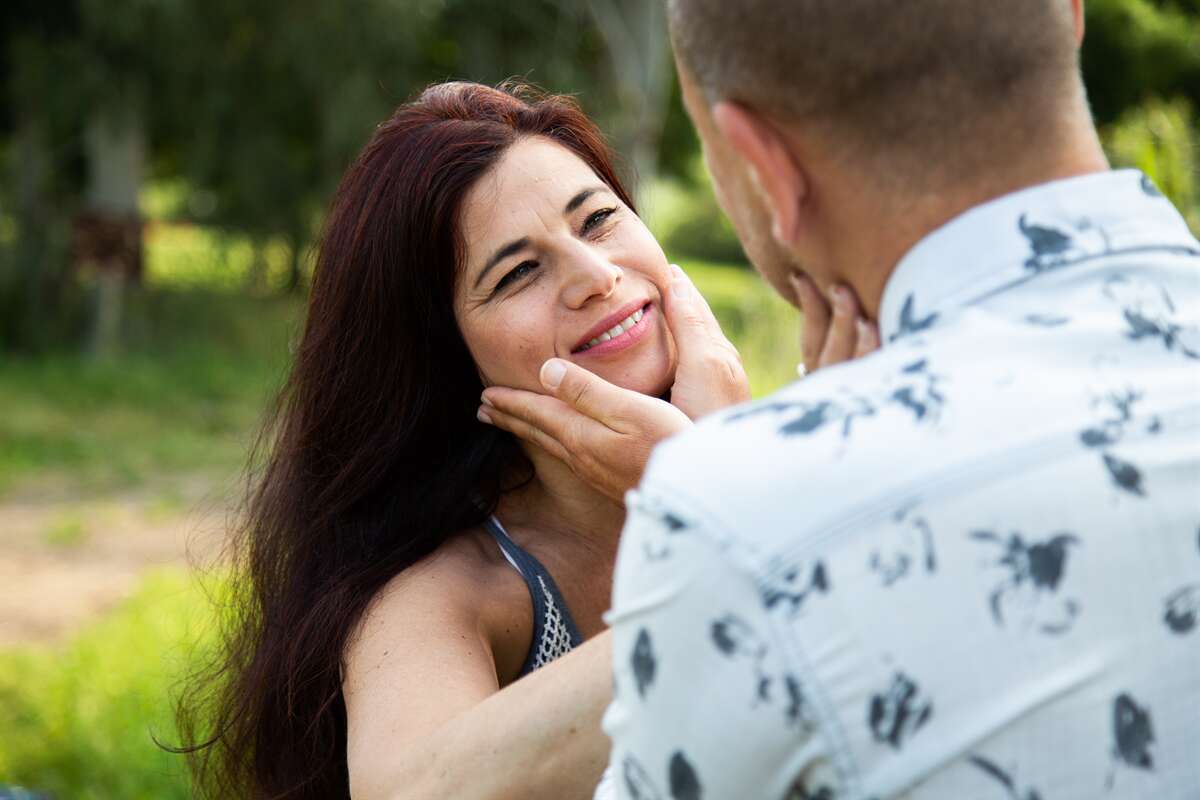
(966, 566)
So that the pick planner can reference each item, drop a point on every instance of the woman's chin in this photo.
(655, 383)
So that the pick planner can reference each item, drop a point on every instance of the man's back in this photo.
(968, 566)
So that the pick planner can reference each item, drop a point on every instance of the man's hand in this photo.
(602, 432)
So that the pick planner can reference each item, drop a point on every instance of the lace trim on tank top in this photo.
(554, 631)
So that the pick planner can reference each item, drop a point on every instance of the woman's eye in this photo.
(517, 272)
(596, 217)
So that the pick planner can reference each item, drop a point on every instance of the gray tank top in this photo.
(554, 632)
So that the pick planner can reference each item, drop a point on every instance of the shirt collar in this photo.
(1001, 244)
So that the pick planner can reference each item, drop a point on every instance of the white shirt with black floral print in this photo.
(967, 566)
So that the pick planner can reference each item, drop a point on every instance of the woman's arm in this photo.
(426, 717)
(539, 737)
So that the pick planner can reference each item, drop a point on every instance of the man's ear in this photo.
(770, 162)
(1077, 11)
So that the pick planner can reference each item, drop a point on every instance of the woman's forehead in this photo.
(533, 171)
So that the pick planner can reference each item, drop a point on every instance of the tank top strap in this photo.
(554, 630)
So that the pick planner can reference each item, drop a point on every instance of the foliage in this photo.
(188, 257)
(254, 110)
(1163, 140)
(77, 721)
(684, 215)
(1135, 50)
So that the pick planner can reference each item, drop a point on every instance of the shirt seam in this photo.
(830, 730)
(928, 487)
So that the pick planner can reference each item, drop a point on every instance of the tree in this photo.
(1135, 50)
(635, 36)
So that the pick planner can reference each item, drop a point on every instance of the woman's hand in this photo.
(831, 335)
(606, 433)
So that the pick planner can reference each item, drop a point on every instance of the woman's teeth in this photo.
(615, 330)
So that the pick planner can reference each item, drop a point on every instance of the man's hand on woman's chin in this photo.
(605, 433)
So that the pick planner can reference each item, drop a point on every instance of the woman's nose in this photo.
(588, 274)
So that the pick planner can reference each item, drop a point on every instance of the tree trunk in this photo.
(108, 233)
(295, 281)
(635, 35)
(34, 226)
(256, 278)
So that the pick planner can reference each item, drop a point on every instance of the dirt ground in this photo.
(67, 558)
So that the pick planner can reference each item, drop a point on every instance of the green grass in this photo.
(76, 721)
(66, 532)
(183, 398)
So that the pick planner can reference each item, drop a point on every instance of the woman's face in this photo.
(557, 265)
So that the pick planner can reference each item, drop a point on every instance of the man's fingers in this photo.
(586, 392)
(692, 305)
(548, 415)
(843, 333)
(692, 323)
(816, 318)
(868, 338)
(523, 429)
(574, 392)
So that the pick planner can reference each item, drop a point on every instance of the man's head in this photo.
(808, 106)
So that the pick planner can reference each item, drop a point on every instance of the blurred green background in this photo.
(163, 169)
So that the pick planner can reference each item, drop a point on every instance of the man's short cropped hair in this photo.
(907, 77)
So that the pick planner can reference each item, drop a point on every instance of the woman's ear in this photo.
(770, 164)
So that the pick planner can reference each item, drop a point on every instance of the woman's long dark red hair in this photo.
(373, 456)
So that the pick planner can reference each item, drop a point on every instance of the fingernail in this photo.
(680, 289)
(552, 373)
(797, 290)
(841, 296)
(676, 271)
(483, 416)
(863, 329)
(486, 401)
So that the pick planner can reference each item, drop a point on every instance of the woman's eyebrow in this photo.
(501, 254)
(520, 244)
(576, 201)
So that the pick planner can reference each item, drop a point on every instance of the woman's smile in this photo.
(618, 331)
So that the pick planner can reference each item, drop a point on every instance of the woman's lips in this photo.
(626, 339)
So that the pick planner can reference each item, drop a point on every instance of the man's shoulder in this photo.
(841, 414)
(847, 439)
(829, 442)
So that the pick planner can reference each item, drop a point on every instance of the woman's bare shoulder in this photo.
(464, 588)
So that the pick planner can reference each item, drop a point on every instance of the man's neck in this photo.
(869, 238)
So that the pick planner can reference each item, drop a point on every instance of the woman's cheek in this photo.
(521, 357)
(658, 268)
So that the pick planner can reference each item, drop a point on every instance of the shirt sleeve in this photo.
(703, 704)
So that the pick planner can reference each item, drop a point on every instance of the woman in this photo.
(409, 566)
